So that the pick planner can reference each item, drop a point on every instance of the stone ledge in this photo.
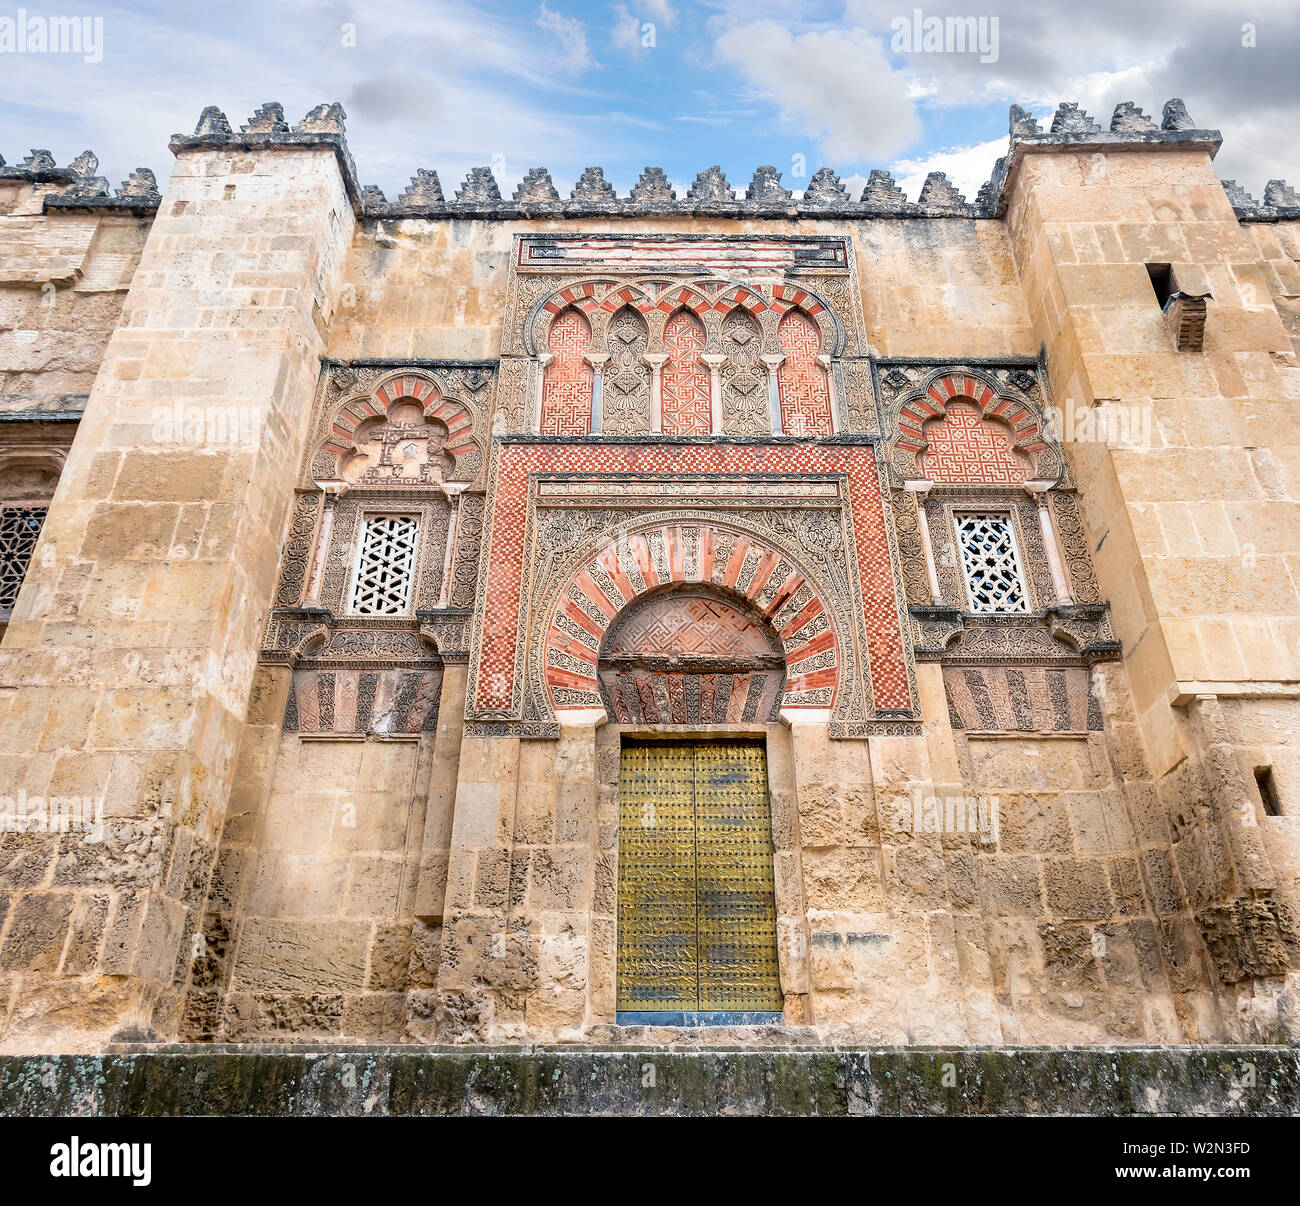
(443, 1081)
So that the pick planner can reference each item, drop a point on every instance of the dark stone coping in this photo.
(384, 362)
(41, 416)
(1267, 213)
(141, 205)
(700, 1081)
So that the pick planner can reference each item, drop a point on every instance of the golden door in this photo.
(696, 896)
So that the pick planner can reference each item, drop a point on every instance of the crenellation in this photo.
(213, 123)
(592, 187)
(1069, 119)
(537, 187)
(1174, 116)
(479, 188)
(1129, 119)
(424, 190)
(881, 190)
(269, 119)
(710, 187)
(1281, 195)
(938, 191)
(766, 187)
(653, 187)
(825, 188)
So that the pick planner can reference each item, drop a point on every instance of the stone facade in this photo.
(370, 532)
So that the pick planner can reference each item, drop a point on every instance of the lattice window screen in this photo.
(992, 563)
(19, 528)
(385, 566)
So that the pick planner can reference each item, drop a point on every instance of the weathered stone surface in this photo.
(192, 1081)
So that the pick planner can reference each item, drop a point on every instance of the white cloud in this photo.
(835, 85)
(626, 33)
(966, 167)
(426, 83)
(661, 11)
(572, 35)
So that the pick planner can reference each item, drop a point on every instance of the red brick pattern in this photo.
(685, 381)
(570, 380)
(801, 381)
(409, 388)
(914, 435)
(518, 462)
(966, 449)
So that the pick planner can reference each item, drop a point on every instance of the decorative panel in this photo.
(625, 394)
(352, 699)
(968, 449)
(798, 531)
(567, 389)
(685, 380)
(19, 529)
(1022, 698)
(689, 657)
(385, 566)
(801, 382)
(991, 562)
(745, 409)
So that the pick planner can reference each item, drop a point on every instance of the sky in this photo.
(680, 84)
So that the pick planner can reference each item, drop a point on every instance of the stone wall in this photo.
(128, 665)
(1193, 531)
(64, 277)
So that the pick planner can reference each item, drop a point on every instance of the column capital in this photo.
(918, 485)
(714, 360)
(772, 360)
(655, 359)
(596, 359)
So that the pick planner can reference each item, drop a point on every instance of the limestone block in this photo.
(37, 932)
(848, 878)
(302, 956)
(1009, 885)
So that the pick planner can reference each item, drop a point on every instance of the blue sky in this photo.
(676, 83)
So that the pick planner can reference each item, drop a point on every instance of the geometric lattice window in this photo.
(19, 528)
(385, 566)
(991, 562)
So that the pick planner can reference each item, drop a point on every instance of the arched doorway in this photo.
(696, 885)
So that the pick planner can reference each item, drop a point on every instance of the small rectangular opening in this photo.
(1268, 791)
(1162, 281)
